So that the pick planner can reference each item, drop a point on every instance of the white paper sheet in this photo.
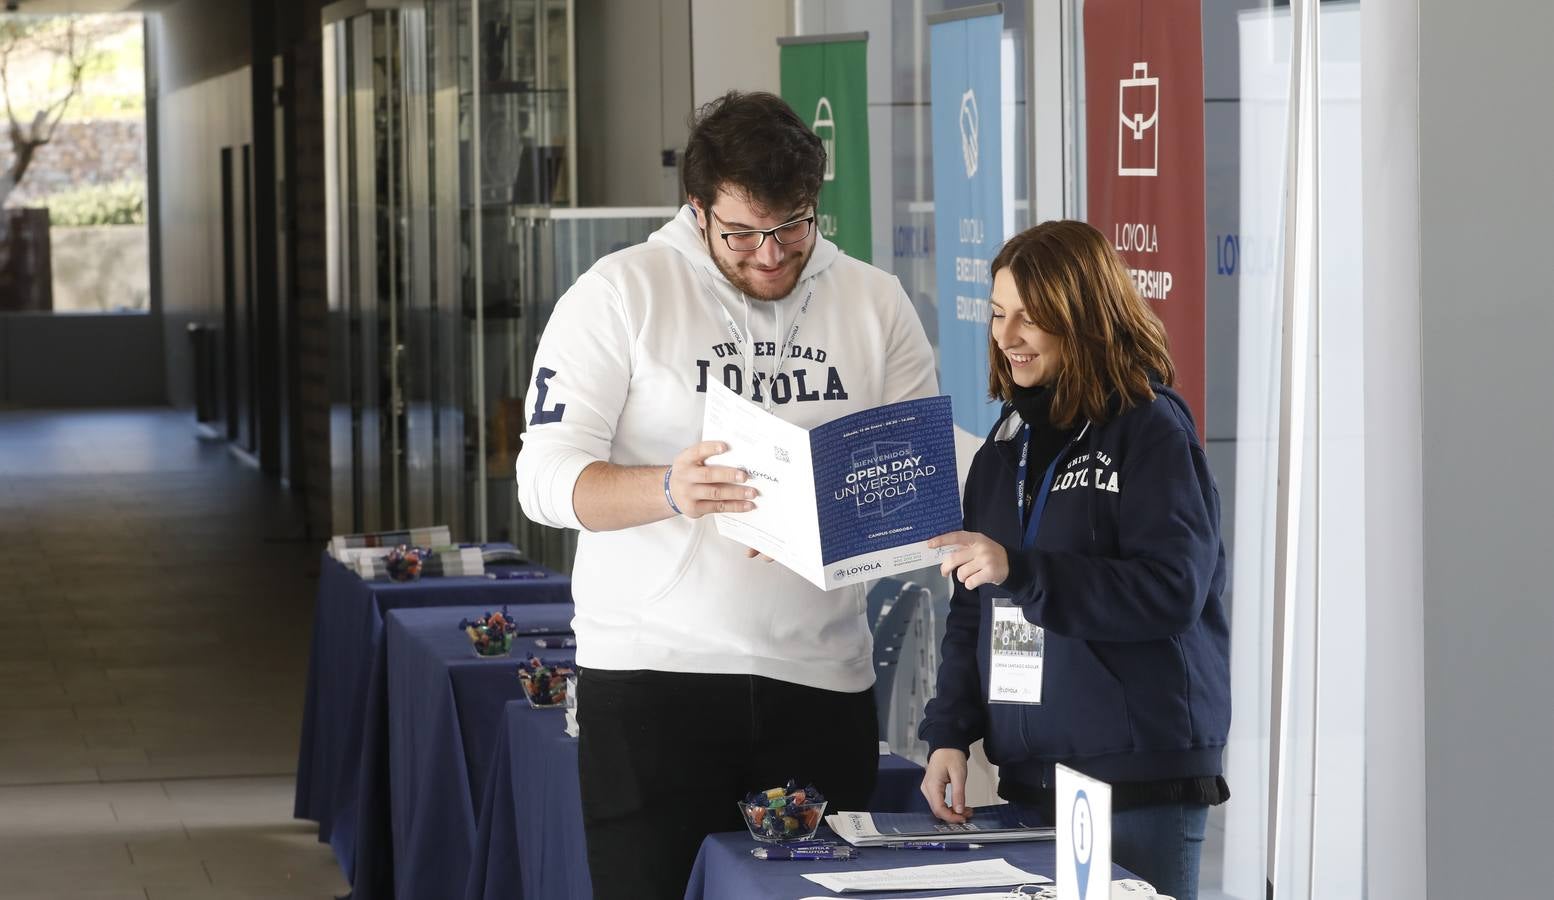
(996, 895)
(979, 873)
(776, 454)
(1125, 889)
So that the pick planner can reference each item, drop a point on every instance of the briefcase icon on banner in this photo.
(825, 129)
(1138, 110)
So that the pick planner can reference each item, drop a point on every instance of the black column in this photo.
(270, 369)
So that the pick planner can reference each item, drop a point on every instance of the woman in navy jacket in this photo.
(1090, 513)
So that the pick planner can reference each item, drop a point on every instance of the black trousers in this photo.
(663, 757)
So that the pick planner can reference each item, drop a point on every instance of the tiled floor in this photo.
(154, 627)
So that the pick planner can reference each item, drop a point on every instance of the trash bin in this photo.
(202, 345)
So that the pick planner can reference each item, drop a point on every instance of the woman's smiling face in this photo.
(1032, 354)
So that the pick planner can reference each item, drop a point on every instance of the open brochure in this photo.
(989, 824)
(852, 500)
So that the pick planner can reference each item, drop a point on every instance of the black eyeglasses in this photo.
(751, 240)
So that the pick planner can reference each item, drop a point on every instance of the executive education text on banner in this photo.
(825, 80)
(1144, 159)
(966, 95)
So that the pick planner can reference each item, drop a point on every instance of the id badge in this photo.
(1018, 648)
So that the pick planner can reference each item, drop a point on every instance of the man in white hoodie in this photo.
(705, 673)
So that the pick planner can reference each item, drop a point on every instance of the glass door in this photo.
(365, 186)
(433, 374)
(516, 117)
(551, 247)
(444, 121)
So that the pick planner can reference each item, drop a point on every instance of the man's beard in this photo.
(745, 284)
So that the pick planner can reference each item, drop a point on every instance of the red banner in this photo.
(1144, 161)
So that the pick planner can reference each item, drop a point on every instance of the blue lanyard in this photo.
(1034, 522)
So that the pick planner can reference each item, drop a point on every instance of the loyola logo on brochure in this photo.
(881, 480)
(850, 571)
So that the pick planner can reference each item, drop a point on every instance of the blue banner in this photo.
(968, 205)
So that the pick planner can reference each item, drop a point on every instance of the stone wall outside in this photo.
(88, 152)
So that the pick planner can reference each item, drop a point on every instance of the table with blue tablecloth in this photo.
(420, 790)
(725, 868)
(346, 676)
(530, 844)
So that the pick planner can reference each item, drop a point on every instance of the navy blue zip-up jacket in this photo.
(1125, 576)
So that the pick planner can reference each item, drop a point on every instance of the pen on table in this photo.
(517, 575)
(931, 845)
(555, 643)
(803, 853)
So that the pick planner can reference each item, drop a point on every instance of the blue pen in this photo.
(803, 852)
(519, 575)
(930, 845)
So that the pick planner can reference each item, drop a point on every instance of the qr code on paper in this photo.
(781, 453)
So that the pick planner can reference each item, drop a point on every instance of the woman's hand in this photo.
(947, 766)
(977, 559)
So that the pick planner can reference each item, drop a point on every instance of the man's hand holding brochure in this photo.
(852, 500)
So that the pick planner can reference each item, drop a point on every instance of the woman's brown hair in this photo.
(1075, 287)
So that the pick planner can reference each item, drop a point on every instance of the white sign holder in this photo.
(1084, 840)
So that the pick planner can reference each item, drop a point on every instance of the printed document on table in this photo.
(977, 874)
(1123, 889)
(980, 895)
(852, 500)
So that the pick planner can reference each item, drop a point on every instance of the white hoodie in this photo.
(620, 376)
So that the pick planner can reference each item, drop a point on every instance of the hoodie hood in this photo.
(1009, 422)
(685, 237)
(1178, 404)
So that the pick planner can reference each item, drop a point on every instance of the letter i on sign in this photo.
(1084, 836)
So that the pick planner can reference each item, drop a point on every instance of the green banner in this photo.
(826, 83)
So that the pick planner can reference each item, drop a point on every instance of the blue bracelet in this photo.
(668, 496)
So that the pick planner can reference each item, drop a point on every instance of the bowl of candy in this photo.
(545, 682)
(789, 813)
(490, 634)
(404, 563)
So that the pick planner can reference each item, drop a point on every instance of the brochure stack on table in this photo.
(447, 562)
(988, 825)
(433, 536)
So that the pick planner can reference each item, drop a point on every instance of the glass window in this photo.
(73, 235)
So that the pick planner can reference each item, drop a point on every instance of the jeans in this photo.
(1162, 844)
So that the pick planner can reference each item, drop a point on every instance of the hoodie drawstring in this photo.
(745, 340)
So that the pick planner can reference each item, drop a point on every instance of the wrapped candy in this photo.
(790, 813)
(544, 682)
(404, 562)
(491, 634)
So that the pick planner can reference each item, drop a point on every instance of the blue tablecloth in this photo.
(725, 868)
(533, 788)
(347, 634)
(422, 780)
